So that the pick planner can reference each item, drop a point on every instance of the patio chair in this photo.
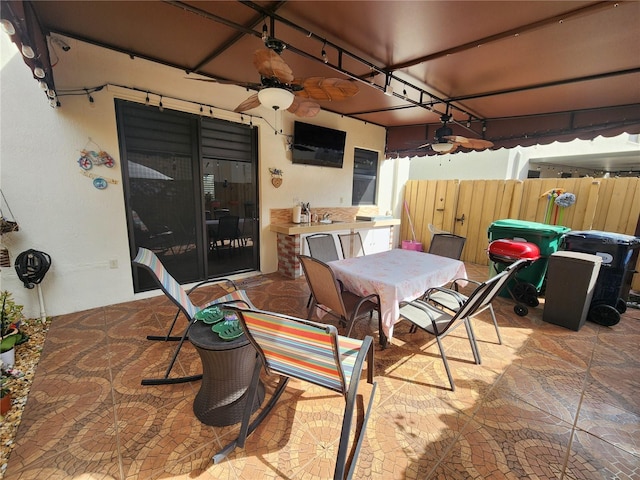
(228, 230)
(148, 260)
(322, 246)
(447, 245)
(351, 244)
(440, 323)
(329, 296)
(312, 352)
(453, 300)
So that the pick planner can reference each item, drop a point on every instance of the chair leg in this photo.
(247, 428)
(495, 324)
(346, 461)
(166, 380)
(446, 364)
(167, 337)
(472, 341)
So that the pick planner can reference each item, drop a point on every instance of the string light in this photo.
(265, 33)
(146, 100)
(324, 53)
(27, 51)
(160, 106)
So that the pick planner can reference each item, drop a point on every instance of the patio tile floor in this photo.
(549, 403)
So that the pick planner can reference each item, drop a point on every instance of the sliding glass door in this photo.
(181, 174)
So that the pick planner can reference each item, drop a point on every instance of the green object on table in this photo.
(230, 328)
(210, 315)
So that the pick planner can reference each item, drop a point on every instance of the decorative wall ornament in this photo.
(89, 158)
(276, 177)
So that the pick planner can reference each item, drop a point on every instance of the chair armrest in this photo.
(212, 281)
(447, 291)
(454, 283)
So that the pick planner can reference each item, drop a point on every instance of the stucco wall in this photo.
(82, 228)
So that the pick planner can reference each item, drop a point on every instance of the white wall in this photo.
(84, 229)
(486, 165)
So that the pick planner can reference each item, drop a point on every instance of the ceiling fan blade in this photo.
(302, 107)
(321, 88)
(475, 143)
(248, 104)
(227, 82)
(271, 65)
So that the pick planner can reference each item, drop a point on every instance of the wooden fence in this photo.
(469, 207)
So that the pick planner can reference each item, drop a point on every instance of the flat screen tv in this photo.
(314, 145)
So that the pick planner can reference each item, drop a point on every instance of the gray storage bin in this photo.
(571, 281)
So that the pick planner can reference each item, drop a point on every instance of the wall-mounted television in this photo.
(315, 145)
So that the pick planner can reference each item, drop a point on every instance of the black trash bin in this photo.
(616, 251)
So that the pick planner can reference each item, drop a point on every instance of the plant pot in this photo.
(5, 403)
(9, 357)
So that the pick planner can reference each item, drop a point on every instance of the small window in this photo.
(365, 177)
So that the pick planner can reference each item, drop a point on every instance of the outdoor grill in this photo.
(504, 252)
(509, 251)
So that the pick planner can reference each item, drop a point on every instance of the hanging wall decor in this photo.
(276, 177)
(89, 158)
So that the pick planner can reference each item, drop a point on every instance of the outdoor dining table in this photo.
(395, 275)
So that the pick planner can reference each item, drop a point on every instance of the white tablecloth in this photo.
(396, 275)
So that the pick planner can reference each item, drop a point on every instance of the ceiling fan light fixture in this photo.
(276, 98)
(442, 147)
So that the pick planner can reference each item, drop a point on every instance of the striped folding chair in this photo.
(313, 352)
(178, 295)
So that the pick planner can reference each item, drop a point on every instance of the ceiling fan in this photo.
(279, 89)
(447, 142)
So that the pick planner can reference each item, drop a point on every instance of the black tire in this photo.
(520, 310)
(621, 305)
(532, 301)
(604, 315)
(522, 291)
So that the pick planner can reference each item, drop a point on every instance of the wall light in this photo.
(276, 98)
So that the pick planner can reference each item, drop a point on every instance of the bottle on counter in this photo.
(297, 214)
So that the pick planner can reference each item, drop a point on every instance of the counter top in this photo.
(317, 227)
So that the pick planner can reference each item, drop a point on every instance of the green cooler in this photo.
(546, 237)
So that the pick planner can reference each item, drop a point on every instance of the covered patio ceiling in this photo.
(512, 72)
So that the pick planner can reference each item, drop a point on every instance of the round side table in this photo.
(227, 368)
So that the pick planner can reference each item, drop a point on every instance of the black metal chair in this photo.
(351, 244)
(228, 231)
(447, 245)
(322, 246)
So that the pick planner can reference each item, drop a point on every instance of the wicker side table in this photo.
(227, 369)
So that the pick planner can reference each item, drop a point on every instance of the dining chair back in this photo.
(452, 299)
(228, 230)
(439, 322)
(447, 245)
(322, 246)
(148, 260)
(329, 296)
(313, 352)
(351, 244)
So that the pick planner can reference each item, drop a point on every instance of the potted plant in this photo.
(5, 392)
(10, 335)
